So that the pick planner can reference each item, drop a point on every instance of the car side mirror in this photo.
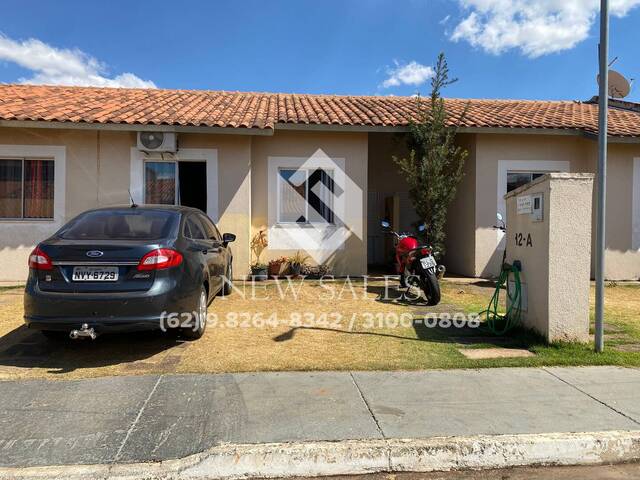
(228, 238)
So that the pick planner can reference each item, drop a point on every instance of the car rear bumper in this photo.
(100, 325)
(106, 312)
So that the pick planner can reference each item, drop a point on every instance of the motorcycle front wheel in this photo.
(431, 288)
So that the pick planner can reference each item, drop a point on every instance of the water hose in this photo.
(495, 322)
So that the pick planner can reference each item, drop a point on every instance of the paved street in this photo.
(141, 418)
(629, 471)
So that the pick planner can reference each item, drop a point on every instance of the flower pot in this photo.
(259, 273)
(274, 269)
(295, 269)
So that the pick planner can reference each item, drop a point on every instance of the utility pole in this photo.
(603, 107)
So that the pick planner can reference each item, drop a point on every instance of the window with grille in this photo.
(26, 188)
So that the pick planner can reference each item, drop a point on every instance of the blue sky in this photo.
(498, 48)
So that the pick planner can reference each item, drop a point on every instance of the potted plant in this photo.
(324, 270)
(307, 271)
(276, 266)
(296, 262)
(258, 244)
(316, 272)
(259, 271)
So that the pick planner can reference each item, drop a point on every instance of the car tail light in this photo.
(39, 260)
(159, 259)
(425, 251)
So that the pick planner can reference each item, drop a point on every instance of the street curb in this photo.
(364, 456)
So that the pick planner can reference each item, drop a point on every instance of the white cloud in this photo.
(57, 66)
(412, 73)
(535, 27)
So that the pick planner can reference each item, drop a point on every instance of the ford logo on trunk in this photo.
(94, 253)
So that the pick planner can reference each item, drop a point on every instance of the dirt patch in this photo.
(266, 326)
(356, 326)
(484, 353)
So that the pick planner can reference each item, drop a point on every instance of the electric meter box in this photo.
(549, 233)
(537, 207)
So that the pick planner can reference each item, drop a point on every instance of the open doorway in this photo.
(192, 191)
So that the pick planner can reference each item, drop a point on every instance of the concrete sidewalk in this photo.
(149, 418)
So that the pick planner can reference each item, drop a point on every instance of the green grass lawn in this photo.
(622, 334)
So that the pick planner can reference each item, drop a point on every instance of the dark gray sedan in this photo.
(128, 268)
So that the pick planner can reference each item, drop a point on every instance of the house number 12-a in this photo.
(523, 241)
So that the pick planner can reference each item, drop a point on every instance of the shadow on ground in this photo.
(393, 294)
(432, 330)
(26, 348)
(466, 336)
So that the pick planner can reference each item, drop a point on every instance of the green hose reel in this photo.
(495, 322)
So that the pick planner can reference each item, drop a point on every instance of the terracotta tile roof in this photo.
(267, 110)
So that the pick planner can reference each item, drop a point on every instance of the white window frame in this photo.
(532, 166)
(208, 155)
(635, 206)
(331, 172)
(525, 172)
(41, 152)
(296, 236)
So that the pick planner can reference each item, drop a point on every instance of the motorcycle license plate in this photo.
(428, 262)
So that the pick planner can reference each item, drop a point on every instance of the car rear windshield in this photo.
(120, 225)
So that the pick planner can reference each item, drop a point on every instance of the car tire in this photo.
(226, 286)
(196, 331)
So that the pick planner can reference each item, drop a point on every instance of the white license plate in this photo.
(428, 262)
(95, 274)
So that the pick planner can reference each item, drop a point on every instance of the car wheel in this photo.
(196, 330)
(226, 286)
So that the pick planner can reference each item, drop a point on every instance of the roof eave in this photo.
(486, 130)
(328, 127)
(135, 127)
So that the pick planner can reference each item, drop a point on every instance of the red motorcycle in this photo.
(416, 264)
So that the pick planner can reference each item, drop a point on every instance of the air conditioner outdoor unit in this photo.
(157, 142)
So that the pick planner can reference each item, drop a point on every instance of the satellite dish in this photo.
(619, 87)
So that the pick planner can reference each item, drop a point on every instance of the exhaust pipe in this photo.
(440, 270)
(84, 332)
